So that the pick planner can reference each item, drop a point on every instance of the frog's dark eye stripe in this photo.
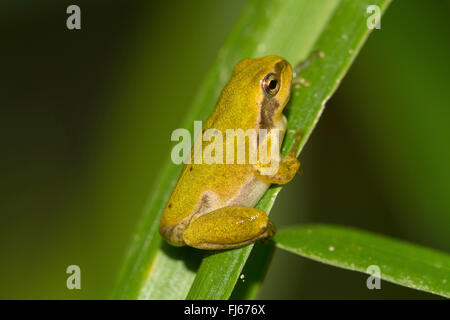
(270, 84)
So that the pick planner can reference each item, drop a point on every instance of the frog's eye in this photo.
(271, 84)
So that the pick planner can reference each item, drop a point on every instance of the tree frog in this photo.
(211, 206)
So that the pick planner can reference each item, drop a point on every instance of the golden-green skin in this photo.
(211, 205)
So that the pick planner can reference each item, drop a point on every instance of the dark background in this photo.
(86, 118)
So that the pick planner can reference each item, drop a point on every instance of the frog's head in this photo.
(266, 81)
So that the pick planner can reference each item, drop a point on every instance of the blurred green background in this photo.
(86, 122)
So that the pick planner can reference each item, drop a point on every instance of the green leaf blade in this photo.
(402, 263)
(216, 278)
(291, 29)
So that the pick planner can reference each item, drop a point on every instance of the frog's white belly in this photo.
(250, 193)
(247, 196)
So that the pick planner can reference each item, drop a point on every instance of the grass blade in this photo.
(339, 29)
(254, 272)
(292, 29)
(139, 273)
(399, 262)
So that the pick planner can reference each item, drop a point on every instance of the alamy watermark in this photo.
(374, 20)
(374, 281)
(74, 280)
(260, 147)
(73, 21)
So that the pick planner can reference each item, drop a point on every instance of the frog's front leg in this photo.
(228, 227)
(287, 168)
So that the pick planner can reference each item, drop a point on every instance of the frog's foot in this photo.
(228, 227)
(287, 168)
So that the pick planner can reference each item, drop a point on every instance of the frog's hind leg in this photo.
(228, 227)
